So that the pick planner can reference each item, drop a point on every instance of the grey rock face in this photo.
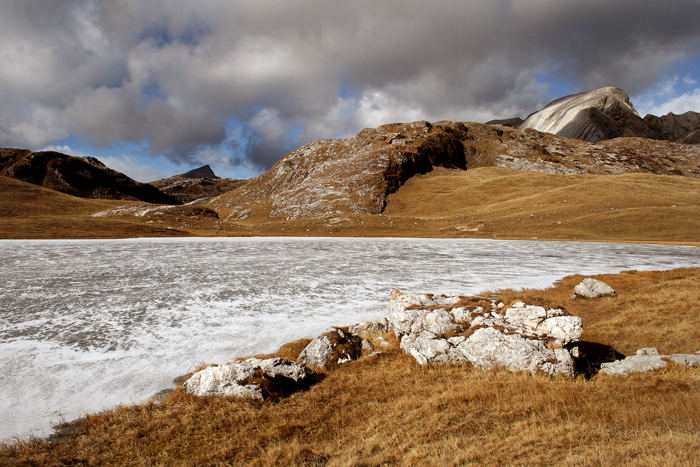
(252, 378)
(592, 288)
(333, 347)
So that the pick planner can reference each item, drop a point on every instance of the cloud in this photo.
(171, 74)
(678, 104)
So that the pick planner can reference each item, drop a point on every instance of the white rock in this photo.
(633, 364)
(536, 321)
(464, 315)
(429, 322)
(489, 347)
(428, 350)
(233, 379)
(648, 352)
(434, 323)
(592, 288)
(334, 346)
(370, 328)
(688, 359)
(446, 300)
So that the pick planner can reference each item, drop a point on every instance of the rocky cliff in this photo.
(85, 177)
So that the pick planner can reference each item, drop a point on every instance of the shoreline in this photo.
(65, 432)
(344, 236)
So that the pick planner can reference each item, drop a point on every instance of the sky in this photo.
(157, 88)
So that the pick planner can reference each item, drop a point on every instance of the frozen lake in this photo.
(89, 324)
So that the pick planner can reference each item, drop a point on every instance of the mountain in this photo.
(196, 184)
(200, 172)
(607, 113)
(355, 175)
(84, 177)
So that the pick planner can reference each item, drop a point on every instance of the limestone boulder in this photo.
(367, 329)
(536, 321)
(427, 350)
(489, 347)
(647, 359)
(408, 314)
(332, 347)
(687, 359)
(252, 378)
(593, 288)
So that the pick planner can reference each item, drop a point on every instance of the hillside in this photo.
(196, 184)
(85, 177)
(410, 180)
(352, 176)
(31, 211)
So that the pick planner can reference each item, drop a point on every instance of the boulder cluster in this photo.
(435, 329)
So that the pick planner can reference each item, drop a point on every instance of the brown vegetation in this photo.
(487, 202)
(387, 409)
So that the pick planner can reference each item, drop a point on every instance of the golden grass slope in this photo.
(493, 201)
(389, 410)
(32, 211)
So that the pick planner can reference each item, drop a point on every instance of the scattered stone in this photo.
(252, 378)
(592, 288)
(333, 347)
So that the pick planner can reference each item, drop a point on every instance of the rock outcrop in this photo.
(593, 288)
(349, 175)
(647, 359)
(435, 329)
(85, 177)
(333, 347)
(196, 184)
(252, 378)
(607, 113)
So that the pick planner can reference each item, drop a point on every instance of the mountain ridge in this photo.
(85, 177)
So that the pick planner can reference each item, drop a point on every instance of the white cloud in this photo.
(171, 73)
(678, 104)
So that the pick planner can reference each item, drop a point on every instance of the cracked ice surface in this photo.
(89, 324)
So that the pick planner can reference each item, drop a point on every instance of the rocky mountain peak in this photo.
(200, 172)
(590, 116)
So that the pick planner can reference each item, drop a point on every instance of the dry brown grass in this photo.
(387, 409)
(485, 202)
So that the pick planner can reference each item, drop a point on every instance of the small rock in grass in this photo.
(592, 288)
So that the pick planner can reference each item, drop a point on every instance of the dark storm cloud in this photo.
(173, 72)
